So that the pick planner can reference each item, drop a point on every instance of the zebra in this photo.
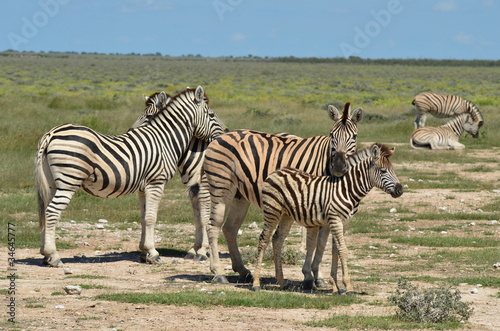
(441, 105)
(141, 160)
(290, 195)
(445, 136)
(189, 166)
(237, 163)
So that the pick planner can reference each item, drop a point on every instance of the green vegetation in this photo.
(262, 299)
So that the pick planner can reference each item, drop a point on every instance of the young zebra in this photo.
(189, 166)
(141, 160)
(238, 162)
(290, 195)
(445, 136)
(444, 106)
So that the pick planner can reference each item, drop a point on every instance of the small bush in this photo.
(436, 305)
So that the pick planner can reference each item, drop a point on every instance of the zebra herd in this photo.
(467, 117)
(317, 182)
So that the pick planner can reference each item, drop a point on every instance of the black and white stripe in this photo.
(290, 195)
(238, 162)
(441, 105)
(445, 136)
(141, 160)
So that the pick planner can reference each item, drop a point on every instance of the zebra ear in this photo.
(357, 115)
(333, 113)
(375, 149)
(199, 94)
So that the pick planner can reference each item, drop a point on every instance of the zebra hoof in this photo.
(55, 263)
(200, 257)
(247, 278)
(308, 285)
(220, 280)
(321, 284)
(149, 259)
(256, 288)
(190, 256)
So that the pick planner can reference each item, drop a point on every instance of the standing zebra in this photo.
(189, 166)
(312, 201)
(238, 162)
(141, 160)
(441, 105)
(445, 136)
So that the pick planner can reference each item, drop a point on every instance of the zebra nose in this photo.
(339, 165)
(398, 191)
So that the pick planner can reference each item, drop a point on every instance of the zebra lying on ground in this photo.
(238, 162)
(141, 160)
(445, 136)
(441, 105)
(290, 195)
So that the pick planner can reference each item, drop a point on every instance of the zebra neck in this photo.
(357, 180)
(457, 124)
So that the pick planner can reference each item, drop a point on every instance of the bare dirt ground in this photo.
(41, 303)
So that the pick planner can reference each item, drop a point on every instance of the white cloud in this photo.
(464, 38)
(238, 37)
(445, 5)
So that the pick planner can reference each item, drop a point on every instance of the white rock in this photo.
(473, 290)
(411, 179)
(67, 271)
(420, 180)
(240, 232)
(99, 226)
(393, 210)
(102, 220)
(443, 232)
(472, 223)
(373, 247)
(59, 307)
(73, 289)
(496, 265)
(443, 208)
(253, 226)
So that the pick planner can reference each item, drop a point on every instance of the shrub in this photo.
(435, 305)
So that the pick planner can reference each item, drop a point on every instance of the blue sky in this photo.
(442, 29)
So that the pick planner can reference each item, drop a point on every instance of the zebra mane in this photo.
(458, 119)
(474, 112)
(345, 114)
(366, 153)
(165, 99)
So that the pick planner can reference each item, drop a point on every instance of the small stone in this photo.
(175, 262)
(240, 232)
(496, 266)
(99, 226)
(59, 307)
(102, 220)
(393, 210)
(373, 247)
(73, 289)
(443, 208)
(67, 271)
(443, 232)
(253, 226)
(473, 290)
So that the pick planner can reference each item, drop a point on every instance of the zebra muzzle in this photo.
(338, 166)
(398, 191)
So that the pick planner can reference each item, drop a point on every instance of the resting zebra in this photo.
(445, 136)
(441, 105)
(238, 162)
(312, 201)
(141, 160)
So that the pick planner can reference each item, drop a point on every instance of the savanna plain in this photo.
(443, 231)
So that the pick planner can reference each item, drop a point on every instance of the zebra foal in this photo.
(445, 136)
(290, 195)
(141, 160)
(237, 163)
(441, 105)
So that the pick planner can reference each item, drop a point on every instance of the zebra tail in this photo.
(413, 102)
(43, 179)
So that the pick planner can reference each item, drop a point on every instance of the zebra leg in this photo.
(337, 230)
(200, 201)
(149, 200)
(420, 120)
(270, 225)
(235, 218)
(311, 242)
(57, 205)
(324, 231)
(335, 265)
(278, 239)
(213, 230)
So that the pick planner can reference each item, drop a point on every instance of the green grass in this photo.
(262, 299)
(362, 322)
(443, 241)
